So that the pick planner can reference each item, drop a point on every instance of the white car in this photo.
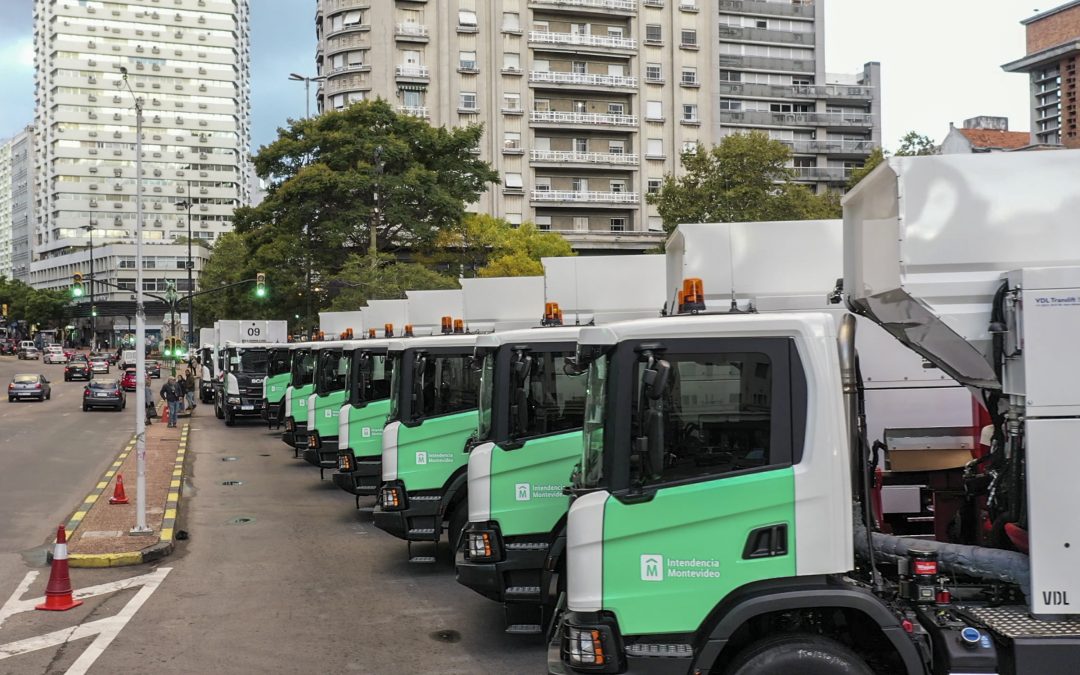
(99, 364)
(55, 354)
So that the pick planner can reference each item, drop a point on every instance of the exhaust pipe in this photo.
(849, 379)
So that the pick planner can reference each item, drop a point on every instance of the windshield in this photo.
(251, 361)
(443, 384)
(279, 362)
(546, 400)
(395, 385)
(374, 378)
(592, 461)
(303, 367)
(102, 384)
(25, 379)
(333, 371)
(487, 395)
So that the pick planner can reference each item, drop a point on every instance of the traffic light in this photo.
(93, 310)
(166, 347)
(260, 285)
(76, 285)
(5, 310)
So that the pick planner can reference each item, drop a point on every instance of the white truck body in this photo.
(379, 313)
(427, 308)
(602, 289)
(501, 303)
(333, 324)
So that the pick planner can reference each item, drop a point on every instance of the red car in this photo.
(69, 352)
(128, 381)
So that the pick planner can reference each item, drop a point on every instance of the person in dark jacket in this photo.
(189, 388)
(173, 397)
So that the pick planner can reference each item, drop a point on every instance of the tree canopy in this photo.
(914, 143)
(486, 246)
(32, 305)
(743, 178)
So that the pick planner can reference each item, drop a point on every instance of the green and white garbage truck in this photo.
(529, 433)
(723, 518)
(329, 380)
(243, 358)
(278, 374)
(359, 457)
(301, 384)
(433, 415)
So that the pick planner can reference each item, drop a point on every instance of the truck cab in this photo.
(331, 379)
(278, 372)
(301, 385)
(425, 444)
(242, 387)
(363, 416)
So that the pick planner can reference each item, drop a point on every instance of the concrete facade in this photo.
(23, 216)
(588, 104)
(1052, 63)
(188, 60)
(5, 209)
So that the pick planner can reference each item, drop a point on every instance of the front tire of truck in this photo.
(798, 653)
(459, 518)
(230, 419)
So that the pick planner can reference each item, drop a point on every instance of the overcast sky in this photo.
(940, 59)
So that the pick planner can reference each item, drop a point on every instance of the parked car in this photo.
(99, 364)
(153, 368)
(128, 382)
(55, 354)
(29, 385)
(31, 352)
(77, 368)
(106, 393)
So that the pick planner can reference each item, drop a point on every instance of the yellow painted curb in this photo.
(105, 559)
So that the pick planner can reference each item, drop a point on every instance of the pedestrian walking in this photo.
(172, 395)
(189, 388)
(182, 383)
(151, 408)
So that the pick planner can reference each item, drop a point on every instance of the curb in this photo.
(166, 538)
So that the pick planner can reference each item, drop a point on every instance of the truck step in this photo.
(523, 629)
(422, 559)
(422, 533)
(523, 591)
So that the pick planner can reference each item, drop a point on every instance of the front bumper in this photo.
(108, 402)
(417, 521)
(292, 431)
(363, 475)
(612, 649)
(320, 451)
(245, 408)
(516, 566)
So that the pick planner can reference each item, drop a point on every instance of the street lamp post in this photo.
(140, 328)
(93, 310)
(307, 89)
(186, 204)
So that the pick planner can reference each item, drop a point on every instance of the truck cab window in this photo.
(447, 384)
(279, 362)
(714, 415)
(544, 399)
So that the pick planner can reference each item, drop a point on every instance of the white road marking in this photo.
(105, 629)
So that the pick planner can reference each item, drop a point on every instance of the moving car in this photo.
(105, 393)
(77, 368)
(55, 354)
(153, 368)
(9, 347)
(28, 352)
(29, 385)
(99, 364)
(128, 381)
(70, 352)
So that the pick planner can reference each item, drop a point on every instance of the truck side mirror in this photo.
(655, 378)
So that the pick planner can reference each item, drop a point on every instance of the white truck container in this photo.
(599, 289)
(499, 303)
(381, 313)
(427, 308)
(333, 324)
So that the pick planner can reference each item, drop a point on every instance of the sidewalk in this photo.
(98, 532)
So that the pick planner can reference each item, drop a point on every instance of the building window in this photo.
(653, 72)
(511, 22)
(512, 181)
(579, 68)
(654, 33)
(689, 38)
(543, 223)
(656, 224)
(689, 113)
(618, 224)
(466, 18)
(512, 62)
(654, 147)
(514, 219)
(467, 100)
(353, 19)
(411, 98)
(615, 108)
(512, 102)
(543, 184)
(581, 223)
(467, 60)
(581, 145)
(618, 185)
(654, 110)
(689, 147)
(511, 140)
(689, 76)
(730, 104)
(654, 185)
(730, 76)
(617, 147)
(579, 184)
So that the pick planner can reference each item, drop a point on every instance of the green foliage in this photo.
(914, 143)
(744, 178)
(34, 306)
(877, 156)
(486, 246)
(359, 281)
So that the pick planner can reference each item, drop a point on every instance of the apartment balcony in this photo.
(412, 72)
(563, 157)
(807, 119)
(588, 80)
(559, 117)
(578, 41)
(766, 63)
(420, 111)
(822, 174)
(828, 92)
(591, 6)
(579, 197)
(830, 147)
(800, 8)
(786, 37)
(411, 32)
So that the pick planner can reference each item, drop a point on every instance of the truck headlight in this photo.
(290, 425)
(233, 399)
(585, 647)
(344, 462)
(482, 546)
(392, 497)
(313, 440)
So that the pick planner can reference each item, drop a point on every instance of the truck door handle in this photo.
(766, 542)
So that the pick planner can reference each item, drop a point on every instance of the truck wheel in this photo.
(218, 412)
(230, 419)
(459, 518)
(797, 653)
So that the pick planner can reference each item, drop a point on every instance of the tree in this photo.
(877, 156)
(743, 178)
(486, 246)
(360, 281)
(914, 143)
(34, 306)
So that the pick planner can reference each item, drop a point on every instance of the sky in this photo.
(940, 60)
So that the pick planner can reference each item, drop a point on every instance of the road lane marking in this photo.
(105, 629)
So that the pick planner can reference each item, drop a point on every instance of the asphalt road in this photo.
(51, 455)
(305, 584)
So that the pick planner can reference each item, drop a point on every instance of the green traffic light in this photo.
(77, 292)
(260, 292)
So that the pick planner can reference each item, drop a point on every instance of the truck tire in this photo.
(230, 419)
(459, 518)
(798, 653)
(218, 412)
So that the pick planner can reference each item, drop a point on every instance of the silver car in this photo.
(29, 386)
(99, 364)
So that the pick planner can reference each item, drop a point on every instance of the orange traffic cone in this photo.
(58, 593)
(165, 414)
(118, 495)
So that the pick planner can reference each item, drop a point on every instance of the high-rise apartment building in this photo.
(587, 104)
(22, 203)
(1052, 62)
(188, 61)
(5, 209)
